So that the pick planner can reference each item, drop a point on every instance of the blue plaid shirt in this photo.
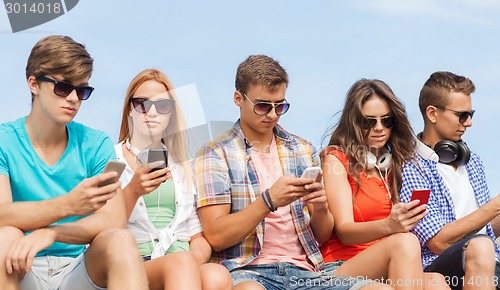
(225, 174)
(423, 173)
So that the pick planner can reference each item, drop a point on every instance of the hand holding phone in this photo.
(115, 166)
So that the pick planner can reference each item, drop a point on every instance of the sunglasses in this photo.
(387, 121)
(142, 105)
(63, 89)
(463, 116)
(264, 108)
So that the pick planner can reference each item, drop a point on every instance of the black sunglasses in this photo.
(263, 108)
(387, 121)
(462, 115)
(63, 89)
(142, 105)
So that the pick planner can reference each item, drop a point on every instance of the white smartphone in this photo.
(116, 166)
(311, 172)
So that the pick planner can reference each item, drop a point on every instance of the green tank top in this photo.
(160, 206)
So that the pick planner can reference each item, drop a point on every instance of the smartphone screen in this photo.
(158, 154)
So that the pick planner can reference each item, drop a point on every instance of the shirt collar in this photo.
(426, 152)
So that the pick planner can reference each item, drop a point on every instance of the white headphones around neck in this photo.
(383, 162)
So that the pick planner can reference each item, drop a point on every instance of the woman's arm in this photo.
(199, 248)
(340, 203)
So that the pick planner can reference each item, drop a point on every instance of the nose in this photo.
(468, 122)
(152, 111)
(272, 113)
(378, 126)
(72, 97)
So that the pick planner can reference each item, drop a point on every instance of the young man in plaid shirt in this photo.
(456, 236)
(261, 219)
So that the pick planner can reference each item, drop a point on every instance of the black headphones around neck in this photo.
(451, 152)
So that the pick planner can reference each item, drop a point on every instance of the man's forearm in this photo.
(29, 216)
(459, 229)
(230, 229)
(83, 231)
(86, 229)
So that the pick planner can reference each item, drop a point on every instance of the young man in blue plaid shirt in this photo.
(261, 219)
(456, 236)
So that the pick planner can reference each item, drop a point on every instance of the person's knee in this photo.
(406, 243)
(115, 243)
(480, 252)
(182, 260)
(249, 285)
(216, 277)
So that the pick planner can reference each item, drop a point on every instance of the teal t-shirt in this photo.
(31, 179)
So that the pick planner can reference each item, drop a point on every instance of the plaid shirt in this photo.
(424, 174)
(226, 175)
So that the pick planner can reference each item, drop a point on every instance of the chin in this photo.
(377, 145)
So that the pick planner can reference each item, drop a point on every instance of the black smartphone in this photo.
(158, 154)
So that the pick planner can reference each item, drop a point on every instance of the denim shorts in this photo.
(58, 273)
(281, 276)
(451, 263)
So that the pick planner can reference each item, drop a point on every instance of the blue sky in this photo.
(324, 45)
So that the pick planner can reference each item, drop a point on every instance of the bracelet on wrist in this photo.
(271, 205)
(265, 200)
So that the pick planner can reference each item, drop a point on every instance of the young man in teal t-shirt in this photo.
(51, 206)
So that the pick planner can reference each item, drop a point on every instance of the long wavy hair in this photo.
(174, 136)
(349, 136)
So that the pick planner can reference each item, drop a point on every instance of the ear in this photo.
(238, 98)
(431, 114)
(33, 85)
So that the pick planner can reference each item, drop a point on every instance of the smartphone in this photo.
(422, 195)
(158, 154)
(150, 155)
(311, 172)
(115, 166)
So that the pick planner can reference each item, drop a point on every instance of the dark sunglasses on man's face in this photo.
(142, 105)
(462, 115)
(264, 108)
(63, 89)
(387, 121)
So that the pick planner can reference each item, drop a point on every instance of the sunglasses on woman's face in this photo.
(142, 105)
(63, 89)
(387, 121)
(462, 115)
(264, 108)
